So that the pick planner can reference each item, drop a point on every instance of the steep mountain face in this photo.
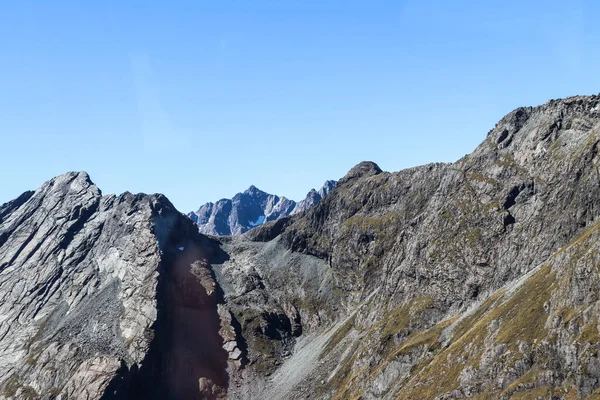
(476, 279)
(102, 297)
(250, 209)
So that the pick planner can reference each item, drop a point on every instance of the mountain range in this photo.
(250, 209)
(475, 279)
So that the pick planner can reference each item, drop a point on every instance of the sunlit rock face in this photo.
(102, 295)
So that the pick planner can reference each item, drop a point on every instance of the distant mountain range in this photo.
(250, 209)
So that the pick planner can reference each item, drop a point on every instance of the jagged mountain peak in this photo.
(327, 186)
(85, 271)
(551, 119)
(73, 178)
(254, 190)
(251, 208)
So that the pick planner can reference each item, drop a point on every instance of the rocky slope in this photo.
(250, 209)
(476, 279)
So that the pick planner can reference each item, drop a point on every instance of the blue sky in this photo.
(201, 99)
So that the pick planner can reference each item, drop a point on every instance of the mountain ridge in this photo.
(474, 279)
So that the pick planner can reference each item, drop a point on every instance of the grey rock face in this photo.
(312, 198)
(481, 271)
(100, 293)
(250, 209)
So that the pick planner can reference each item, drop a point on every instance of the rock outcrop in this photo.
(104, 297)
(250, 209)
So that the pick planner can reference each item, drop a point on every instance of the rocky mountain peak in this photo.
(362, 169)
(87, 283)
(253, 190)
(70, 180)
(251, 208)
(254, 193)
(549, 118)
(326, 188)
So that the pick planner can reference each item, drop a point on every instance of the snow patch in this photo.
(258, 222)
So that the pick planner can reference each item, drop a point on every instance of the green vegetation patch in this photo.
(397, 320)
(589, 333)
(338, 336)
(11, 386)
(522, 318)
(375, 224)
(429, 338)
(523, 315)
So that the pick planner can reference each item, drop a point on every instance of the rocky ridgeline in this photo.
(474, 279)
(250, 209)
(104, 297)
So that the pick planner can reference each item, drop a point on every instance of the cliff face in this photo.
(94, 287)
(476, 279)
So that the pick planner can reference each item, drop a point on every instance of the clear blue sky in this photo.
(201, 99)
